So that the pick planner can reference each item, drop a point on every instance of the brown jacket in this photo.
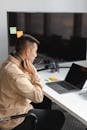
(17, 90)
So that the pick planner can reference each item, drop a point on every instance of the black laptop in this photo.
(74, 80)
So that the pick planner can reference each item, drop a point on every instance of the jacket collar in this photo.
(14, 60)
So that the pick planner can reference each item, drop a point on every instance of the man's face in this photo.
(32, 52)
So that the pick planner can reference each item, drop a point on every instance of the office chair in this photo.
(31, 115)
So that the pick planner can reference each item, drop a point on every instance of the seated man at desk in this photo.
(20, 84)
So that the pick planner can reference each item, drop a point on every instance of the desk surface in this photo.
(72, 102)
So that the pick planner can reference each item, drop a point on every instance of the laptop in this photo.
(74, 80)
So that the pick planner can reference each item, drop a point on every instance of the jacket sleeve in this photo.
(27, 88)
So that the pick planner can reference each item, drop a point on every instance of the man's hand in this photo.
(29, 67)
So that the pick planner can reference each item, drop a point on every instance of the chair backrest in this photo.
(18, 116)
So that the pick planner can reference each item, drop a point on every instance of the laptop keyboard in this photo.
(61, 87)
(66, 85)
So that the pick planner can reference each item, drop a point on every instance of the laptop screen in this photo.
(77, 75)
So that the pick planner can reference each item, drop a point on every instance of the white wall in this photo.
(33, 6)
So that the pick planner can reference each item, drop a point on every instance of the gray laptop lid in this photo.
(77, 75)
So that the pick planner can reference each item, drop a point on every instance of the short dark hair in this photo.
(21, 42)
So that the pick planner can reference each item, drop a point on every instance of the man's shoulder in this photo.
(10, 67)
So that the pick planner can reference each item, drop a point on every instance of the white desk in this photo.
(72, 102)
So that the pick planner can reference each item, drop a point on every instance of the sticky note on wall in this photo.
(13, 30)
(19, 34)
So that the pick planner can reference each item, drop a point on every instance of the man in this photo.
(20, 85)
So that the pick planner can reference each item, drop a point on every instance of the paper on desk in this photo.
(85, 85)
(84, 90)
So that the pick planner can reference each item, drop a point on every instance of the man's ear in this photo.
(27, 52)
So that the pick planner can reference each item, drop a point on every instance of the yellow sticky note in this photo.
(53, 78)
(19, 34)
